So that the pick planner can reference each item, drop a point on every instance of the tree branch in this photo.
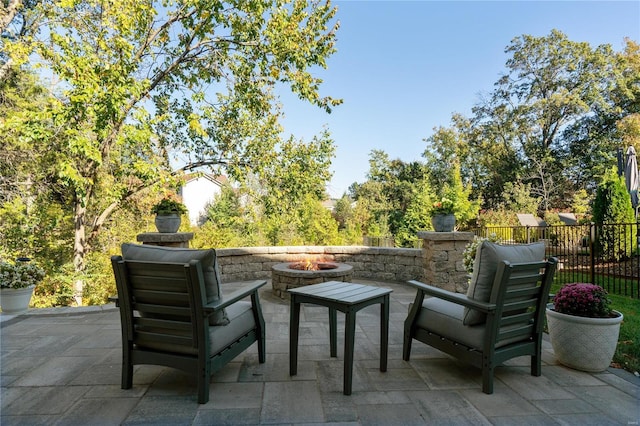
(106, 213)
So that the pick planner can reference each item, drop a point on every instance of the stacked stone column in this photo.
(442, 255)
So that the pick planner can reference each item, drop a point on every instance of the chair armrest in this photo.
(114, 299)
(458, 298)
(246, 290)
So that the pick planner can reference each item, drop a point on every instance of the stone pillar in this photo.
(167, 239)
(442, 258)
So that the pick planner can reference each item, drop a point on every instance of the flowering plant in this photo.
(469, 253)
(444, 206)
(19, 275)
(583, 300)
(168, 205)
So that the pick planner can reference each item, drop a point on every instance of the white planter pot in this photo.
(15, 300)
(581, 343)
(168, 223)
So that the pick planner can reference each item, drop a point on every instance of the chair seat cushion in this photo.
(241, 321)
(488, 256)
(446, 319)
(209, 262)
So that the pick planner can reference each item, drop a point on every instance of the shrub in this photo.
(613, 205)
(20, 274)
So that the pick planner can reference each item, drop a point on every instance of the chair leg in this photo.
(536, 365)
(406, 348)
(127, 368)
(203, 385)
(487, 378)
(259, 319)
(262, 354)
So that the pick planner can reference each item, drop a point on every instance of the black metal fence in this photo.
(603, 254)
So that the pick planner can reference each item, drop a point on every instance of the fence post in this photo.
(592, 255)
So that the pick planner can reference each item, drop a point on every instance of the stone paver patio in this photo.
(62, 367)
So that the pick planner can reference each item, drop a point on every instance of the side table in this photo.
(344, 297)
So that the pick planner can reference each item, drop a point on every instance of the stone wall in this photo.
(439, 262)
(442, 254)
(377, 263)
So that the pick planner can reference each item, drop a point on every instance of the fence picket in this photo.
(604, 254)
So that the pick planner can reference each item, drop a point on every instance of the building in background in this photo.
(198, 191)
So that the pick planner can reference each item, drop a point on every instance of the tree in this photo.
(141, 81)
(416, 217)
(19, 21)
(293, 182)
(551, 84)
(613, 206)
(518, 198)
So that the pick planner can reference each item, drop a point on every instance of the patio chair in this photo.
(169, 317)
(492, 324)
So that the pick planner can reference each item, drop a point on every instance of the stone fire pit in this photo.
(289, 275)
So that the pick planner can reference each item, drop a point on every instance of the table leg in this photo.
(349, 340)
(294, 325)
(333, 332)
(384, 333)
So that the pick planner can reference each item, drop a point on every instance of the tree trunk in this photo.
(79, 249)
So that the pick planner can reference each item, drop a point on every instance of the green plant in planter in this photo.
(444, 206)
(20, 274)
(469, 253)
(168, 205)
(583, 300)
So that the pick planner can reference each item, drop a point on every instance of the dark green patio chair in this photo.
(509, 324)
(167, 320)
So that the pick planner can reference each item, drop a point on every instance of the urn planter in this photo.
(443, 222)
(168, 223)
(15, 300)
(583, 343)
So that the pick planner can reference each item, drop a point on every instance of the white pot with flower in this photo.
(17, 282)
(442, 217)
(583, 328)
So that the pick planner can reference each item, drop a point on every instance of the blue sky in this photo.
(404, 67)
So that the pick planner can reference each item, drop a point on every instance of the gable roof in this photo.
(527, 219)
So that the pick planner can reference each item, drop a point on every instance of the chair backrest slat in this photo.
(164, 304)
(161, 297)
(520, 294)
(172, 313)
(516, 333)
(149, 339)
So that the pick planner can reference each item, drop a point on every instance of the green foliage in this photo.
(108, 131)
(416, 217)
(580, 204)
(442, 206)
(391, 191)
(19, 274)
(317, 226)
(613, 205)
(343, 211)
(627, 354)
(168, 205)
(57, 289)
(518, 198)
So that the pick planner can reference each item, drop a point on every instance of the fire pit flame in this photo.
(309, 265)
